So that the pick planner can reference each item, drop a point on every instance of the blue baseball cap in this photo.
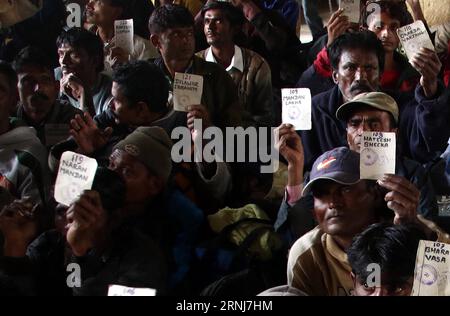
(340, 165)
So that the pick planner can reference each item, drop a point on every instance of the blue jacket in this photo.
(423, 126)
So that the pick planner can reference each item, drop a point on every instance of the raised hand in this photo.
(87, 223)
(289, 145)
(403, 198)
(87, 135)
(427, 63)
(337, 25)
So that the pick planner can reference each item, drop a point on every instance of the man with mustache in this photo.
(38, 92)
(397, 72)
(23, 159)
(344, 206)
(357, 60)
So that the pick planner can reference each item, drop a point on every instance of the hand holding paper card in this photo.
(76, 173)
(413, 37)
(432, 271)
(297, 108)
(118, 290)
(377, 155)
(187, 90)
(123, 35)
(352, 9)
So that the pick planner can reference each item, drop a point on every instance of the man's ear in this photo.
(335, 76)
(156, 41)
(353, 279)
(141, 108)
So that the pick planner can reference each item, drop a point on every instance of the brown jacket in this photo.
(254, 88)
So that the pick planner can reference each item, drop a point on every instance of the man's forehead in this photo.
(67, 47)
(366, 110)
(357, 56)
(180, 29)
(214, 13)
(35, 70)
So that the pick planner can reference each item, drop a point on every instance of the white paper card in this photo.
(124, 34)
(187, 90)
(432, 271)
(118, 290)
(76, 173)
(296, 108)
(413, 37)
(377, 155)
(352, 9)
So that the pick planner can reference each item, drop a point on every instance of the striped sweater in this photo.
(23, 164)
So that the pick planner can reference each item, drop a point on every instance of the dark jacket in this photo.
(55, 127)
(219, 96)
(423, 125)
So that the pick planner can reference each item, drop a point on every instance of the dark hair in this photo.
(143, 81)
(232, 14)
(364, 40)
(111, 187)
(125, 5)
(169, 16)
(32, 56)
(80, 38)
(7, 70)
(393, 247)
(396, 10)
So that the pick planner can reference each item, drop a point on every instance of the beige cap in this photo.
(378, 100)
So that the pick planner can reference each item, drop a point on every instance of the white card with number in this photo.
(76, 173)
(124, 35)
(296, 108)
(413, 37)
(432, 271)
(118, 290)
(377, 158)
(352, 9)
(187, 90)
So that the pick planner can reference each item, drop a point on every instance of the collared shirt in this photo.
(237, 61)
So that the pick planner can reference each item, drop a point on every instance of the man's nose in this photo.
(384, 33)
(361, 74)
(64, 59)
(37, 87)
(335, 200)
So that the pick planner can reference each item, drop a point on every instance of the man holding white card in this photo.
(88, 241)
(378, 112)
(357, 59)
(172, 33)
(103, 14)
(344, 205)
